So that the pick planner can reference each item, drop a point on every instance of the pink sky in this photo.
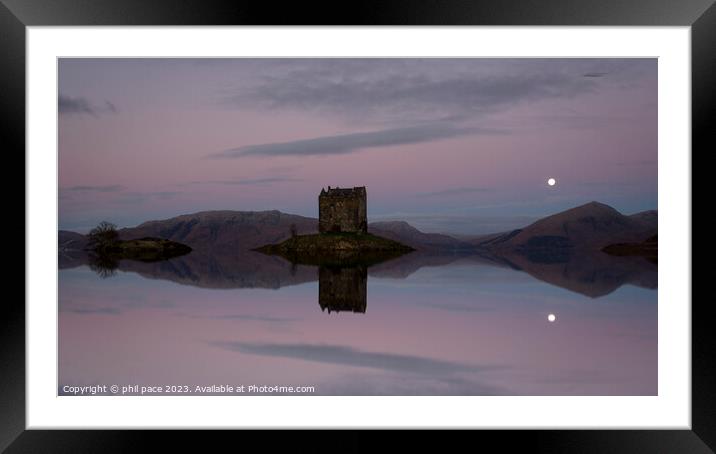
(432, 139)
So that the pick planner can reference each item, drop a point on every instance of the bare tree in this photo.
(294, 230)
(103, 236)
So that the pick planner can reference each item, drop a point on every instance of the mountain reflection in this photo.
(343, 288)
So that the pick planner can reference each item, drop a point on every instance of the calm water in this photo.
(422, 325)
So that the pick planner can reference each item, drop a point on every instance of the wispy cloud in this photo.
(370, 384)
(352, 357)
(456, 307)
(82, 106)
(243, 317)
(392, 89)
(606, 184)
(88, 188)
(595, 74)
(455, 191)
(246, 181)
(642, 162)
(93, 311)
(141, 197)
(114, 307)
(69, 105)
(117, 194)
(349, 143)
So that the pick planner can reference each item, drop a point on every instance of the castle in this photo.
(342, 210)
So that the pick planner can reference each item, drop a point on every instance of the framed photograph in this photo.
(444, 217)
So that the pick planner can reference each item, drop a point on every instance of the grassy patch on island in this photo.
(340, 249)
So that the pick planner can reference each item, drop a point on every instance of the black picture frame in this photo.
(16, 15)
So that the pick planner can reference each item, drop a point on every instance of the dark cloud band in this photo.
(106, 188)
(247, 181)
(349, 143)
(82, 106)
(352, 357)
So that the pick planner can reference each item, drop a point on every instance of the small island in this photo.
(147, 249)
(345, 249)
(103, 241)
(343, 238)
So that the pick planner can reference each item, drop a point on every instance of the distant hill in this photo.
(70, 241)
(648, 218)
(405, 233)
(225, 230)
(591, 226)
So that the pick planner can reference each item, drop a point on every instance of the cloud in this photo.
(119, 195)
(595, 74)
(82, 106)
(349, 356)
(400, 89)
(68, 105)
(606, 184)
(247, 181)
(243, 317)
(454, 192)
(456, 307)
(349, 143)
(141, 197)
(92, 311)
(371, 384)
(643, 162)
(106, 188)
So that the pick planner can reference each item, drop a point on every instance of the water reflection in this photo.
(105, 266)
(439, 324)
(343, 288)
(591, 274)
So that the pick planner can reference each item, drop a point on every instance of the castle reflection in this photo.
(343, 288)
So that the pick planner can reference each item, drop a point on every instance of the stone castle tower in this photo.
(342, 210)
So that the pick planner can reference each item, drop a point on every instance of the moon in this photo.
(551, 318)
(551, 182)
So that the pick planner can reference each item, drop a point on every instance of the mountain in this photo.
(591, 226)
(648, 218)
(70, 241)
(405, 233)
(224, 230)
